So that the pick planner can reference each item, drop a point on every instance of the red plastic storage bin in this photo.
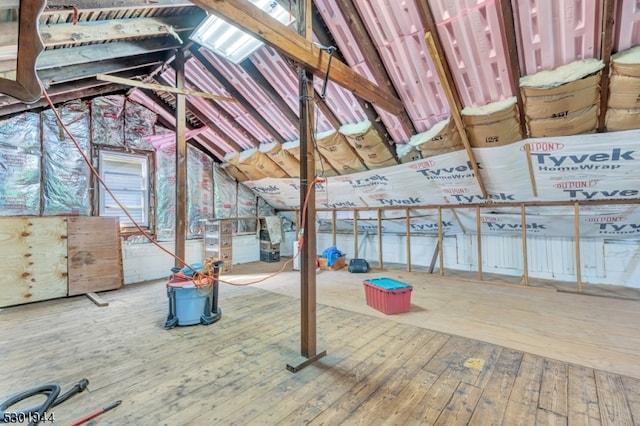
(388, 295)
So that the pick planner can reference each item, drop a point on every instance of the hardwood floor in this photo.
(378, 369)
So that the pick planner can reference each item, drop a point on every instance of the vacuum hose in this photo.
(36, 414)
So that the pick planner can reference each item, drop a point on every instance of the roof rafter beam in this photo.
(267, 88)
(207, 121)
(262, 121)
(249, 18)
(372, 57)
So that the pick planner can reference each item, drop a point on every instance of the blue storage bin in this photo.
(190, 304)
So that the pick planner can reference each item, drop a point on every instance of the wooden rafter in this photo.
(608, 21)
(455, 113)
(372, 57)
(228, 86)
(160, 87)
(246, 16)
(267, 88)
(514, 63)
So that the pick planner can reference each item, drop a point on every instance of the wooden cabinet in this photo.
(49, 257)
(218, 234)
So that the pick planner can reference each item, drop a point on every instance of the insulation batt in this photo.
(563, 74)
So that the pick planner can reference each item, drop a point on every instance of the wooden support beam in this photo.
(434, 257)
(161, 88)
(309, 351)
(268, 90)
(440, 242)
(479, 242)
(229, 87)
(333, 228)
(372, 58)
(181, 163)
(355, 233)
(514, 63)
(525, 252)
(455, 112)
(408, 231)
(380, 238)
(606, 47)
(249, 18)
(576, 215)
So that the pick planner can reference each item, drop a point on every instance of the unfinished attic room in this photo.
(327, 212)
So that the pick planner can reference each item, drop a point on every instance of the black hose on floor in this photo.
(36, 414)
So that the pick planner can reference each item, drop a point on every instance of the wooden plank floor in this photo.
(378, 370)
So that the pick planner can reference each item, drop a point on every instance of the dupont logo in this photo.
(576, 184)
(422, 165)
(542, 146)
(604, 219)
(455, 190)
(487, 219)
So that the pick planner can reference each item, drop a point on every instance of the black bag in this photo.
(358, 266)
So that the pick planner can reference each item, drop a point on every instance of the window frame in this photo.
(144, 159)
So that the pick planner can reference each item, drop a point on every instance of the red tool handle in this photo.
(95, 414)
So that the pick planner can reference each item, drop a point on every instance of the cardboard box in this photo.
(338, 263)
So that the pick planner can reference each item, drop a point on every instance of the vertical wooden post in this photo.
(308, 345)
(408, 230)
(334, 225)
(440, 248)
(577, 232)
(525, 255)
(479, 242)
(380, 238)
(355, 233)
(181, 162)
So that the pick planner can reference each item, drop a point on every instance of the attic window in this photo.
(126, 176)
(226, 40)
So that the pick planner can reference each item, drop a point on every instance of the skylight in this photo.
(226, 40)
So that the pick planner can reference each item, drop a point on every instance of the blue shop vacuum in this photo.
(193, 295)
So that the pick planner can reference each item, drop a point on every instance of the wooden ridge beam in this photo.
(249, 18)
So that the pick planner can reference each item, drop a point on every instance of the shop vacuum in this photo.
(193, 295)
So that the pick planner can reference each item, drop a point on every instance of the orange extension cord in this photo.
(199, 278)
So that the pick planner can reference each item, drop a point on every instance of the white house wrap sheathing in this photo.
(572, 168)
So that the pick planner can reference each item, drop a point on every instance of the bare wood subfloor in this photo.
(378, 370)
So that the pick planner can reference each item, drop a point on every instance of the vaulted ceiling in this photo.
(484, 46)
